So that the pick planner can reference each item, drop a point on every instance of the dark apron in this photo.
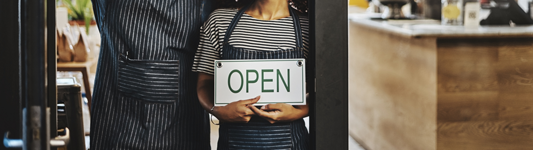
(145, 91)
(258, 133)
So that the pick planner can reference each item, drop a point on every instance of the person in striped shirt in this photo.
(254, 29)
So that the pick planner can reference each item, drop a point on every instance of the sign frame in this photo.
(300, 62)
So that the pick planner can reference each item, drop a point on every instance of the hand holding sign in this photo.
(237, 111)
(281, 112)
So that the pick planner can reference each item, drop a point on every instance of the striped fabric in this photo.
(249, 33)
(260, 134)
(256, 135)
(146, 99)
(152, 81)
(240, 53)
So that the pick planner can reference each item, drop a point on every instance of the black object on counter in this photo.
(414, 6)
(506, 11)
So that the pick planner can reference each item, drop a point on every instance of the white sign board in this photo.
(275, 80)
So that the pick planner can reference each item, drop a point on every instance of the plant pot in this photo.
(93, 36)
(80, 22)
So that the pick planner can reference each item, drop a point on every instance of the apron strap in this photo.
(297, 28)
(237, 17)
(234, 23)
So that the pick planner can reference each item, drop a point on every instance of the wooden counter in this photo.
(425, 87)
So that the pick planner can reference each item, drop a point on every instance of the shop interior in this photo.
(422, 74)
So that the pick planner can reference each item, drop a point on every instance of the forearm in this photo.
(303, 111)
(205, 90)
(299, 112)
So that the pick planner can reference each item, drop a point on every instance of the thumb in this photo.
(251, 101)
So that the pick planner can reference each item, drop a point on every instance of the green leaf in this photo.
(87, 24)
(81, 11)
(81, 5)
(88, 18)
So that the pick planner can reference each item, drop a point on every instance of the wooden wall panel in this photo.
(392, 90)
(468, 106)
(516, 106)
(486, 135)
(447, 94)
(467, 81)
(485, 94)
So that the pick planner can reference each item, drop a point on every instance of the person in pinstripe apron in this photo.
(145, 93)
(262, 29)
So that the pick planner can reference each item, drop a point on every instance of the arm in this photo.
(205, 90)
(237, 111)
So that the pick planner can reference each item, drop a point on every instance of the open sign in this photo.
(276, 80)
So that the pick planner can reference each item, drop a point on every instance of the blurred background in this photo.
(441, 74)
(423, 74)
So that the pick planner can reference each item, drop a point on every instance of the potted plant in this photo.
(81, 12)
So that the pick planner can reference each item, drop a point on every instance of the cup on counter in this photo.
(452, 12)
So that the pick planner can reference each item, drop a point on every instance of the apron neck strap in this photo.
(295, 20)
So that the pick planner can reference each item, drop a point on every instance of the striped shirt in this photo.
(250, 33)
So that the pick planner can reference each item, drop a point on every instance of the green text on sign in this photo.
(279, 77)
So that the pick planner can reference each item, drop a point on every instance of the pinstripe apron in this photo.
(145, 92)
(258, 133)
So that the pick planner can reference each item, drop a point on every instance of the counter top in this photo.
(433, 28)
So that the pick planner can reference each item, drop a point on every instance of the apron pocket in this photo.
(149, 80)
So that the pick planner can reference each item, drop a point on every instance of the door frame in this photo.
(329, 108)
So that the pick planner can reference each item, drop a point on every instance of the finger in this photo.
(248, 111)
(260, 112)
(265, 107)
(246, 119)
(250, 101)
(268, 116)
(277, 106)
